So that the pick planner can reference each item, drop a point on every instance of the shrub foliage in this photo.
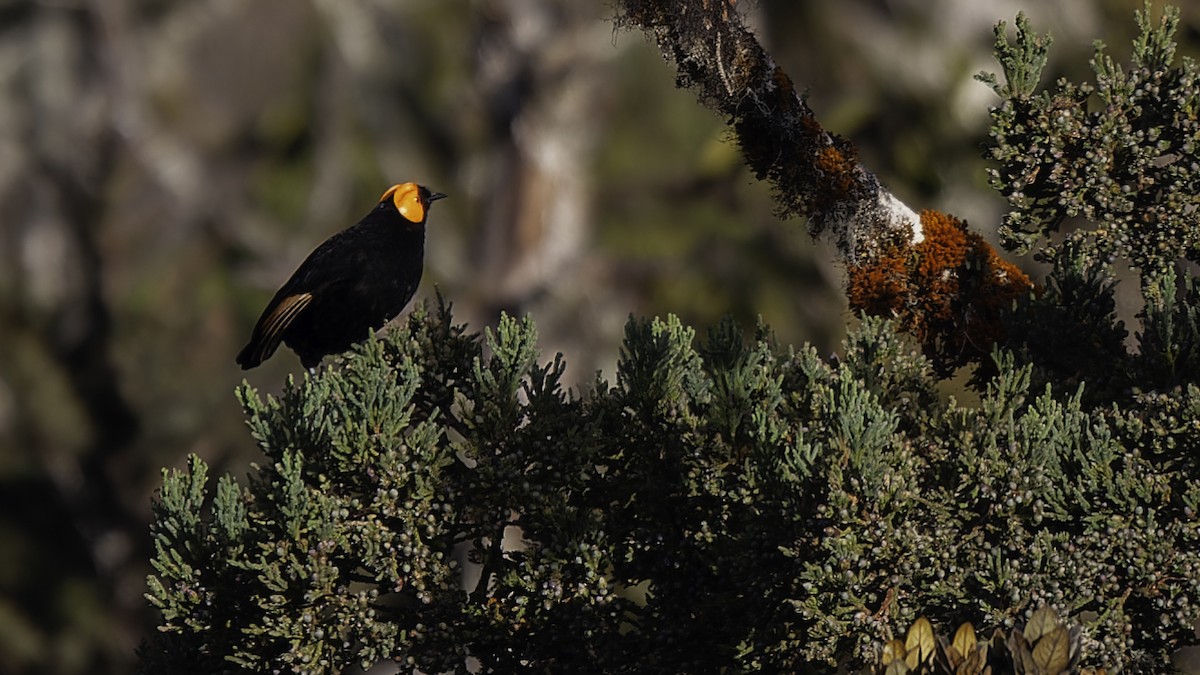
(438, 499)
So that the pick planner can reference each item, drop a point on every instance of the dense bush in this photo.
(728, 504)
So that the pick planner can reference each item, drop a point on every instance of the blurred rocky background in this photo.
(165, 165)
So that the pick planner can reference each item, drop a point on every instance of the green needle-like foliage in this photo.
(1114, 163)
(437, 500)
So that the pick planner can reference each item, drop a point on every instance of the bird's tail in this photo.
(251, 355)
(269, 331)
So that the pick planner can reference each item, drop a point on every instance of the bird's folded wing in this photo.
(270, 330)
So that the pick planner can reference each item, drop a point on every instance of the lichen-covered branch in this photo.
(816, 173)
(935, 288)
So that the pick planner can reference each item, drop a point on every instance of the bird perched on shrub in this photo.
(352, 284)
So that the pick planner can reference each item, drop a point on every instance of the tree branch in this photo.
(816, 173)
(942, 282)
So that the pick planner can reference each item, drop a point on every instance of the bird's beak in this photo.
(434, 196)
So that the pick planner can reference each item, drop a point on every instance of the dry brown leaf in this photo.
(964, 640)
(1052, 652)
(920, 643)
(1043, 621)
(975, 663)
(893, 650)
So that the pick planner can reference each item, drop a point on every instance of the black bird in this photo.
(352, 284)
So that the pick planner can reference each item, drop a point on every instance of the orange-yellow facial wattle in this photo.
(407, 198)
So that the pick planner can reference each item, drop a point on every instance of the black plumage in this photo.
(352, 284)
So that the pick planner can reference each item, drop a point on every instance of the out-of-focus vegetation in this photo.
(165, 164)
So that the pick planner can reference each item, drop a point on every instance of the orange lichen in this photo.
(880, 288)
(950, 291)
(782, 81)
(837, 169)
(785, 96)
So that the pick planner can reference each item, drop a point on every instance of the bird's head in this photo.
(411, 201)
